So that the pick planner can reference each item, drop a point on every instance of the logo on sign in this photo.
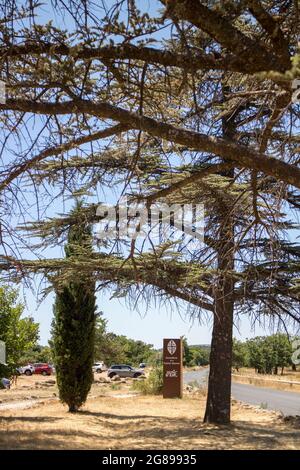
(171, 347)
(171, 373)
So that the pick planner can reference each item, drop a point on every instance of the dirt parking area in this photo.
(115, 417)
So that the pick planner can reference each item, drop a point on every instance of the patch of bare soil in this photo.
(116, 418)
(35, 387)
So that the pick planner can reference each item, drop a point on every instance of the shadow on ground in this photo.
(96, 430)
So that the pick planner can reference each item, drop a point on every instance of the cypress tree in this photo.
(74, 325)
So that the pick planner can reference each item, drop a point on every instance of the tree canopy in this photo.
(122, 96)
(191, 102)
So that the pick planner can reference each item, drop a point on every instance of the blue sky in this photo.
(149, 324)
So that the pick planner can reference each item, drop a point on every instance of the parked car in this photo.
(99, 367)
(27, 370)
(123, 370)
(42, 368)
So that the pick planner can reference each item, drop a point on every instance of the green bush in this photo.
(153, 385)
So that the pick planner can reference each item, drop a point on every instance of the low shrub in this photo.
(115, 386)
(153, 385)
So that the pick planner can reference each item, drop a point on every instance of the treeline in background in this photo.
(266, 354)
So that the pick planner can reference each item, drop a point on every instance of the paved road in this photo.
(286, 402)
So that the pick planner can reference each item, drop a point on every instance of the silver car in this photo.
(122, 370)
(99, 367)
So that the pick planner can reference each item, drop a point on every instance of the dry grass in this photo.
(288, 374)
(289, 381)
(117, 420)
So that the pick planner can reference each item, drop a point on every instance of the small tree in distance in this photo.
(239, 354)
(266, 354)
(19, 333)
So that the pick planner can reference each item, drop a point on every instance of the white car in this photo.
(27, 370)
(99, 367)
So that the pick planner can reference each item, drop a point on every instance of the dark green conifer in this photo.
(74, 324)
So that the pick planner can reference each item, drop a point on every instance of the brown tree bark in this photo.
(218, 405)
(219, 382)
(240, 155)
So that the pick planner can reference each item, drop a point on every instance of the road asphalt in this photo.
(288, 403)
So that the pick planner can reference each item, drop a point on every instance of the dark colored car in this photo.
(42, 368)
(123, 370)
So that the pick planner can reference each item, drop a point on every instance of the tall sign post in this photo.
(172, 368)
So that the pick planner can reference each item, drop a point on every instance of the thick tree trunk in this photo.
(218, 403)
(72, 409)
(219, 389)
(219, 382)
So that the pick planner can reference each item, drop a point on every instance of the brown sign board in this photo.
(172, 368)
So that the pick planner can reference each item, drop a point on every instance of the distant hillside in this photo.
(199, 346)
